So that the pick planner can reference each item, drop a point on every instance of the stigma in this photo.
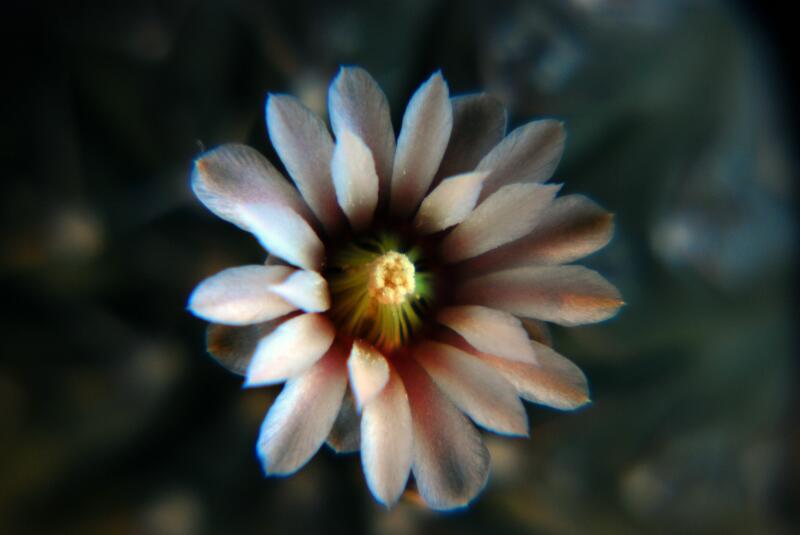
(391, 278)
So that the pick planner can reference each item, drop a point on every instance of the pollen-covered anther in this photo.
(391, 278)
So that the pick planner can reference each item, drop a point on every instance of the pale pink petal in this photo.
(307, 290)
(354, 179)
(290, 349)
(489, 330)
(233, 347)
(387, 441)
(475, 387)
(567, 295)
(345, 436)
(282, 232)
(232, 177)
(479, 123)
(529, 153)
(241, 295)
(570, 228)
(356, 103)
(451, 463)
(449, 203)
(368, 371)
(305, 146)
(507, 215)
(302, 416)
(421, 145)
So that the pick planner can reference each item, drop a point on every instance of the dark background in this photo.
(680, 121)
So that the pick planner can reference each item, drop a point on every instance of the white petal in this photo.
(451, 463)
(483, 394)
(387, 441)
(354, 179)
(568, 295)
(368, 370)
(489, 330)
(479, 123)
(307, 290)
(241, 295)
(232, 177)
(506, 216)
(304, 145)
(302, 416)
(529, 153)
(290, 350)
(421, 145)
(233, 347)
(282, 232)
(356, 103)
(345, 436)
(449, 203)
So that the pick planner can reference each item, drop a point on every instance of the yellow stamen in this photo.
(391, 278)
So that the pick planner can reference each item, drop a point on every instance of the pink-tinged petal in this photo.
(387, 441)
(368, 370)
(475, 387)
(305, 146)
(302, 416)
(479, 123)
(284, 233)
(241, 295)
(290, 349)
(307, 290)
(356, 103)
(421, 145)
(451, 463)
(354, 179)
(570, 228)
(233, 347)
(232, 177)
(449, 203)
(529, 153)
(567, 295)
(345, 436)
(489, 330)
(510, 213)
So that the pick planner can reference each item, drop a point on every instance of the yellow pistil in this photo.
(391, 278)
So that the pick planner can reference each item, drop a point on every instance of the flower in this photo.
(406, 282)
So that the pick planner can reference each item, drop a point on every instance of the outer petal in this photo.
(449, 203)
(345, 435)
(241, 295)
(284, 233)
(529, 153)
(302, 416)
(304, 145)
(290, 349)
(387, 441)
(233, 347)
(368, 371)
(479, 123)
(489, 330)
(568, 295)
(451, 463)
(307, 290)
(232, 177)
(354, 179)
(421, 145)
(356, 103)
(506, 216)
(570, 228)
(475, 387)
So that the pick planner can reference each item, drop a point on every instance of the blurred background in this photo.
(679, 118)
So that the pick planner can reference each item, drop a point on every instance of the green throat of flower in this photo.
(378, 292)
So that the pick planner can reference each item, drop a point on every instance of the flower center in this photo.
(377, 292)
(391, 278)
